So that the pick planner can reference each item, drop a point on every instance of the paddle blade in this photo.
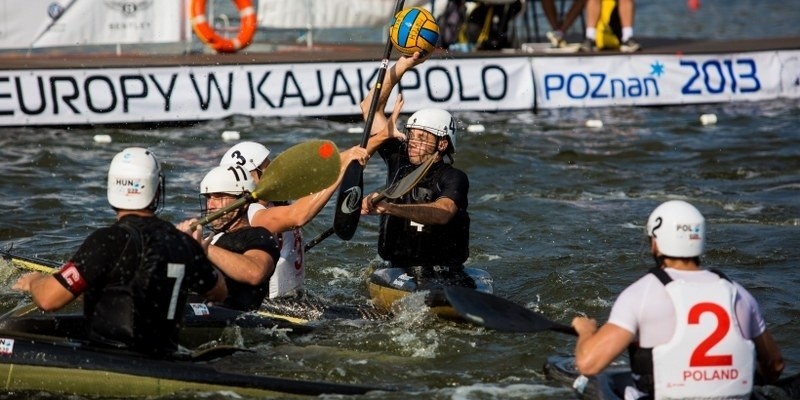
(30, 263)
(348, 204)
(301, 170)
(499, 314)
(408, 182)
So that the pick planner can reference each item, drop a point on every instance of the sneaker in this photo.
(587, 46)
(629, 46)
(556, 41)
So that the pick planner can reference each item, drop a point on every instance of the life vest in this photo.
(407, 243)
(289, 270)
(707, 356)
(206, 33)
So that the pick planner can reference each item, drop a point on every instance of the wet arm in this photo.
(770, 360)
(597, 348)
(220, 290)
(382, 127)
(278, 219)
(47, 292)
(252, 267)
(438, 212)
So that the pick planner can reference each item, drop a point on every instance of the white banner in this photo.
(119, 95)
(20, 26)
(51, 23)
(644, 79)
(790, 73)
(332, 13)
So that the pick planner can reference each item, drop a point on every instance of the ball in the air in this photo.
(414, 29)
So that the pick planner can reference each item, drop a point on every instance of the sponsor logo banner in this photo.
(664, 79)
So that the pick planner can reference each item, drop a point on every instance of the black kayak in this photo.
(611, 383)
(294, 314)
(202, 323)
(31, 362)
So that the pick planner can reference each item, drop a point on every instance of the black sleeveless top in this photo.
(405, 243)
(138, 273)
(243, 296)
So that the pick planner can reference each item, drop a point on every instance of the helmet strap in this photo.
(659, 259)
(160, 198)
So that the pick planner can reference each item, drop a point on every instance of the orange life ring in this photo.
(203, 30)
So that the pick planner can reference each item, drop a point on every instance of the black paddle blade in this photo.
(348, 204)
(499, 314)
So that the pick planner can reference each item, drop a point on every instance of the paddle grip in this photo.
(222, 211)
(569, 330)
(330, 231)
(33, 264)
(346, 223)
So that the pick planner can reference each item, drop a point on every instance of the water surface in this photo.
(557, 218)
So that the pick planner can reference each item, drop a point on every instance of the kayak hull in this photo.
(58, 365)
(303, 310)
(387, 286)
(202, 323)
(610, 384)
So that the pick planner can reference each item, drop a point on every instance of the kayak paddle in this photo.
(302, 169)
(348, 202)
(30, 263)
(395, 191)
(499, 314)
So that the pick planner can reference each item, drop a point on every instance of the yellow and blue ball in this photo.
(414, 29)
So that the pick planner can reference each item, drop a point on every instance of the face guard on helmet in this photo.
(437, 122)
(249, 155)
(678, 229)
(231, 180)
(135, 181)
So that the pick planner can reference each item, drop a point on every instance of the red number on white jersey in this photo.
(700, 356)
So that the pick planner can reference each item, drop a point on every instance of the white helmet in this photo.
(135, 180)
(230, 179)
(247, 154)
(678, 229)
(436, 121)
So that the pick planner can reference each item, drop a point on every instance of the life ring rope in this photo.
(222, 44)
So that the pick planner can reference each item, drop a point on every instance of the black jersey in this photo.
(135, 276)
(243, 296)
(407, 243)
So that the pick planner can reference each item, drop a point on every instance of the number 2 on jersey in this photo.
(700, 356)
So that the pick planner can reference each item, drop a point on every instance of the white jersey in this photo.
(290, 269)
(707, 355)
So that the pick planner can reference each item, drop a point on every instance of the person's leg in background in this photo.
(560, 27)
(592, 16)
(626, 16)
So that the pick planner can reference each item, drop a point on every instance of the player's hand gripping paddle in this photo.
(402, 187)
